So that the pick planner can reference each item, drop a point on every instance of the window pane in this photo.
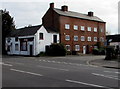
(75, 38)
(24, 46)
(41, 36)
(89, 38)
(67, 26)
(82, 28)
(67, 37)
(77, 48)
(82, 38)
(89, 28)
(68, 47)
(95, 38)
(75, 27)
(95, 29)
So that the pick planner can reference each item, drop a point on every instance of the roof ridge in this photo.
(77, 15)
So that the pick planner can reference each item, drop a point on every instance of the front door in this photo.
(84, 49)
(54, 38)
(31, 50)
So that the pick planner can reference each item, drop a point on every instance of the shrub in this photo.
(41, 54)
(95, 51)
(74, 53)
(68, 52)
(56, 50)
(110, 53)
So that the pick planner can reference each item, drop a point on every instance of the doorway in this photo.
(54, 38)
(84, 49)
(31, 50)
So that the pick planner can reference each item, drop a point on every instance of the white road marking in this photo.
(107, 76)
(58, 62)
(53, 61)
(112, 72)
(44, 60)
(5, 64)
(53, 68)
(26, 72)
(15, 63)
(88, 84)
(65, 62)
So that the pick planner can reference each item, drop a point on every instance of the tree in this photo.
(7, 27)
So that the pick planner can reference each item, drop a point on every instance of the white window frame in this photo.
(95, 29)
(83, 28)
(75, 38)
(95, 39)
(82, 38)
(67, 26)
(89, 28)
(67, 37)
(68, 46)
(89, 38)
(75, 27)
(77, 47)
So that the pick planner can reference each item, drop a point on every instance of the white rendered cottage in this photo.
(31, 40)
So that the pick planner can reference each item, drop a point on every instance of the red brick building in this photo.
(78, 32)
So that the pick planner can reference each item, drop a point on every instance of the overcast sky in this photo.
(27, 12)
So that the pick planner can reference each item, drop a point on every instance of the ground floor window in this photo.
(68, 47)
(24, 46)
(16, 47)
(77, 47)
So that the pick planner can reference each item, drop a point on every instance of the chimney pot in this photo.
(64, 8)
(52, 5)
(90, 13)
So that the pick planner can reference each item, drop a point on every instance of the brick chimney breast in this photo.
(90, 13)
(52, 5)
(64, 8)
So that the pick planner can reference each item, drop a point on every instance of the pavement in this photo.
(105, 63)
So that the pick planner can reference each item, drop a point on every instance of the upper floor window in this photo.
(41, 36)
(16, 38)
(95, 38)
(75, 27)
(82, 38)
(68, 47)
(77, 47)
(82, 28)
(89, 28)
(67, 26)
(67, 37)
(75, 38)
(89, 38)
(95, 29)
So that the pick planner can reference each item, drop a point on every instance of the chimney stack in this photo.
(52, 5)
(64, 8)
(90, 13)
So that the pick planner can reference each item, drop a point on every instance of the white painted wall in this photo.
(38, 45)
(47, 40)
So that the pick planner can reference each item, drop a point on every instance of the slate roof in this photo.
(51, 30)
(26, 31)
(114, 38)
(77, 15)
